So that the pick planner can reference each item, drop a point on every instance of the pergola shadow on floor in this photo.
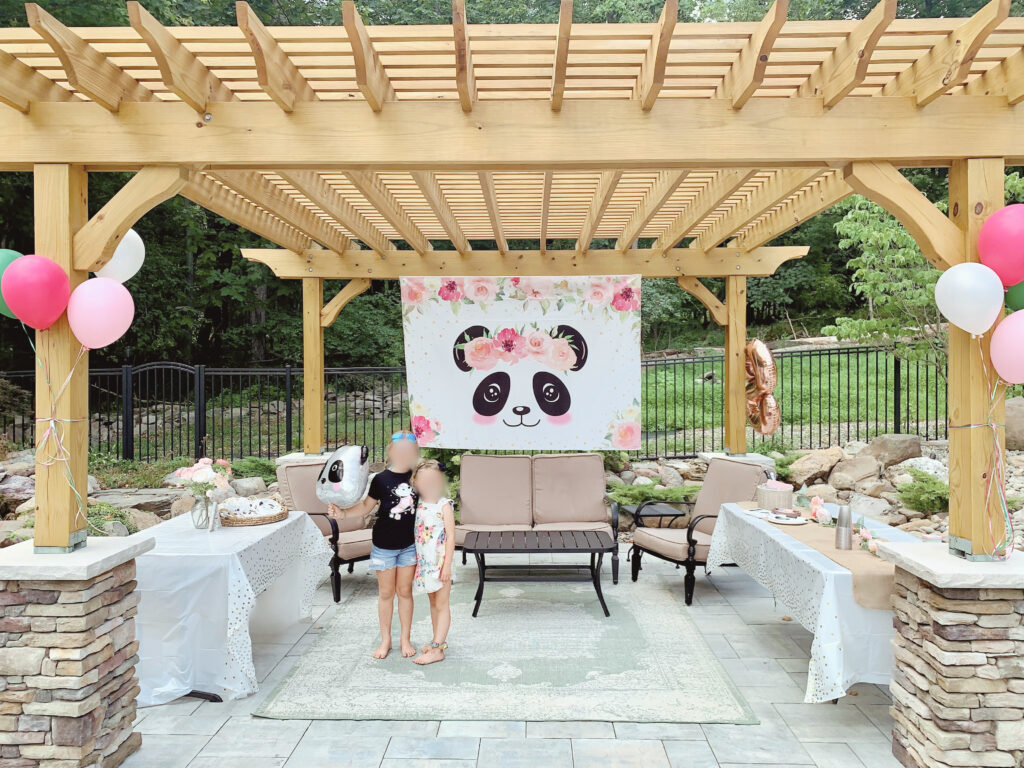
(368, 153)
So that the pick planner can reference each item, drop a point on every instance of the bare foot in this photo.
(408, 650)
(382, 650)
(429, 657)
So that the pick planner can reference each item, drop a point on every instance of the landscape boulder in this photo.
(848, 472)
(868, 506)
(249, 486)
(157, 500)
(892, 449)
(933, 467)
(22, 468)
(825, 492)
(17, 489)
(1015, 424)
(670, 477)
(814, 465)
(142, 519)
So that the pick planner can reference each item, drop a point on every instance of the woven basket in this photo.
(229, 520)
(770, 498)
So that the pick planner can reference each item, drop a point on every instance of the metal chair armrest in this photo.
(334, 527)
(614, 505)
(690, 527)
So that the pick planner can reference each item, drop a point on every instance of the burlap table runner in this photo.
(872, 576)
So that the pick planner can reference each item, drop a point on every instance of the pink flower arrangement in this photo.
(205, 476)
(481, 289)
(414, 290)
(452, 289)
(425, 429)
(510, 346)
(626, 435)
(626, 298)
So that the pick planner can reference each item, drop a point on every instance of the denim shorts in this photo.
(386, 559)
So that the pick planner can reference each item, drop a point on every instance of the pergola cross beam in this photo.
(652, 71)
(434, 195)
(464, 78)
(380, 197)
(747, 72)
(720, 188)
(371, 78)
(602, 197)
(275, 71)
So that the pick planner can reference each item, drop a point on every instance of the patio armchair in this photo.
(727, 480)
(350, 541)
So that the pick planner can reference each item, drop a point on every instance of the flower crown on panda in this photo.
(509, 345)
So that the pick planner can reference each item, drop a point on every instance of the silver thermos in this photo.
(844, 528)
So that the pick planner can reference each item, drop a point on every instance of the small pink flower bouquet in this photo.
(205, 477)
(820, 513)
(867, 539)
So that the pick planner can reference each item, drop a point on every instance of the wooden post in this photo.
(61, 209)
(975, 191)
(735, 368)
(312, 365)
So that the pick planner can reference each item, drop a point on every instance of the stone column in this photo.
(958, 679)
(67, 655)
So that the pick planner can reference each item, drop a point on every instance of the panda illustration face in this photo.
(522, 387)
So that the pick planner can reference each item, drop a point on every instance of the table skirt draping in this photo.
(199, 591)
(851, 643)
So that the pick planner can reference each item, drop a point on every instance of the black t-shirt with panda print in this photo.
(396, 515)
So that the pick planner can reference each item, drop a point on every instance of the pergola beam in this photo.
(602, 196)
(333, 308)
(940, 239)
(678, 262)
(948, 63)
(715, 307)
(181, 71)
(380, 197)
(96, 241)
(1004, 79)
(275, 71)
(747, 72)
(88, 70)
(652, 71)
(371, 78)
(427, 182)
(665, 185)
(783, 184)
(561, 54)
(493, 212)
(720, 188)
(464, 79)
(315, 188)
(545, 210)
(847, 65)
(20, 85)
(215, 197)
(827, 191)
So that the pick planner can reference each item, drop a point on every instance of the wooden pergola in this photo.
(368, 153)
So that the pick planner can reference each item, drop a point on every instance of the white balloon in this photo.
(970, 296)
(127, 259)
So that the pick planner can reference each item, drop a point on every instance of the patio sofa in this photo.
(349, 538)
(545, 492)
(727, 480)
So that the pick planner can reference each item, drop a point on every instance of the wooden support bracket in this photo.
(333, 308)
(703, 294)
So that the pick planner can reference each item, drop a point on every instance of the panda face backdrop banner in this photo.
(530, 363)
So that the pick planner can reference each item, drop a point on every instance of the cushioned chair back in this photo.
(568, 488)
(297, 485)
(495, 490)
(727, 480)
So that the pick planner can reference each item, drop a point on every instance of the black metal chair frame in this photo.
(336, 560)
(690, 563)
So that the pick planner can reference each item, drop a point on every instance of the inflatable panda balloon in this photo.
(343, 479)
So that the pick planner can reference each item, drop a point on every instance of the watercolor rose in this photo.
(537, 345)
(481, 353)
(511, 347)
(451, 289)
(599, 294)
(626, 435)
(425, 429)
(414, 290)
(626, 298)
(561, 356)
(481, 289)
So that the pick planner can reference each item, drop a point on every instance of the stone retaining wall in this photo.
(67, 671)
(958, 680)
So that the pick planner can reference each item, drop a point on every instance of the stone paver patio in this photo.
(764, 654)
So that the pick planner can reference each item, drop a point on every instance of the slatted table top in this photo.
(538, 541)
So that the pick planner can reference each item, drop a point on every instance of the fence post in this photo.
(288, 409)
(897, 404)
(127, 415)
(200, 427)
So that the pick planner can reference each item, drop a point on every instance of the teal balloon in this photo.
(1015, 297)
(6, 257)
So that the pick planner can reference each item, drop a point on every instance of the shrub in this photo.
(101, 512)
(926, 494)
(255, 466)
(113, 472)
(630, 495)
(782, 465)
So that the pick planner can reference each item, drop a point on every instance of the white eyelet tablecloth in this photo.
(851, 643)
(200, 590)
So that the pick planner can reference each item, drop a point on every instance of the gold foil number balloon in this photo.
(763, 410)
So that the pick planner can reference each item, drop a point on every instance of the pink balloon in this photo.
(1007, 343)
(1001, 244)
(36, 290)
(100, 312)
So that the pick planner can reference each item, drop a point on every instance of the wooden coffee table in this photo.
(593, 543)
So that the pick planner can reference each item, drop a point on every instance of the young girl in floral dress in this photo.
(435, 553)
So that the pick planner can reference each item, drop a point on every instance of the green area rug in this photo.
(537, 651)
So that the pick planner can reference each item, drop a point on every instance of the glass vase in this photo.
(201, 513)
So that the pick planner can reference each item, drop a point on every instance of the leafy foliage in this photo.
(113, 472)
(783, 464)
(100, 512)
(926, 494)
(255, 466)
(630, 495)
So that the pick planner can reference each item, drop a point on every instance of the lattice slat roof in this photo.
(820, 62)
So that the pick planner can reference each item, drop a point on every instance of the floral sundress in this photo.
(430, 540)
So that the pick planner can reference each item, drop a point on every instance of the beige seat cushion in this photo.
(297, 485)
(463, 528)
(354, 544)
(726, 481)
(671, 542)
(568, 488)
(495, 490)
(606, 527)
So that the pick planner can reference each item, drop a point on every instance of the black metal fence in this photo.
(162, 410)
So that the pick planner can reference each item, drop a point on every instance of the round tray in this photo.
(235, 521)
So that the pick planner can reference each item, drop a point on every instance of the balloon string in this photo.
(50, 448)
(995, 478)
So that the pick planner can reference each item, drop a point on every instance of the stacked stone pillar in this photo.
(67, 671)
(958, 680)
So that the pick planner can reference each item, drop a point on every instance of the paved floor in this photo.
(765, 654)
